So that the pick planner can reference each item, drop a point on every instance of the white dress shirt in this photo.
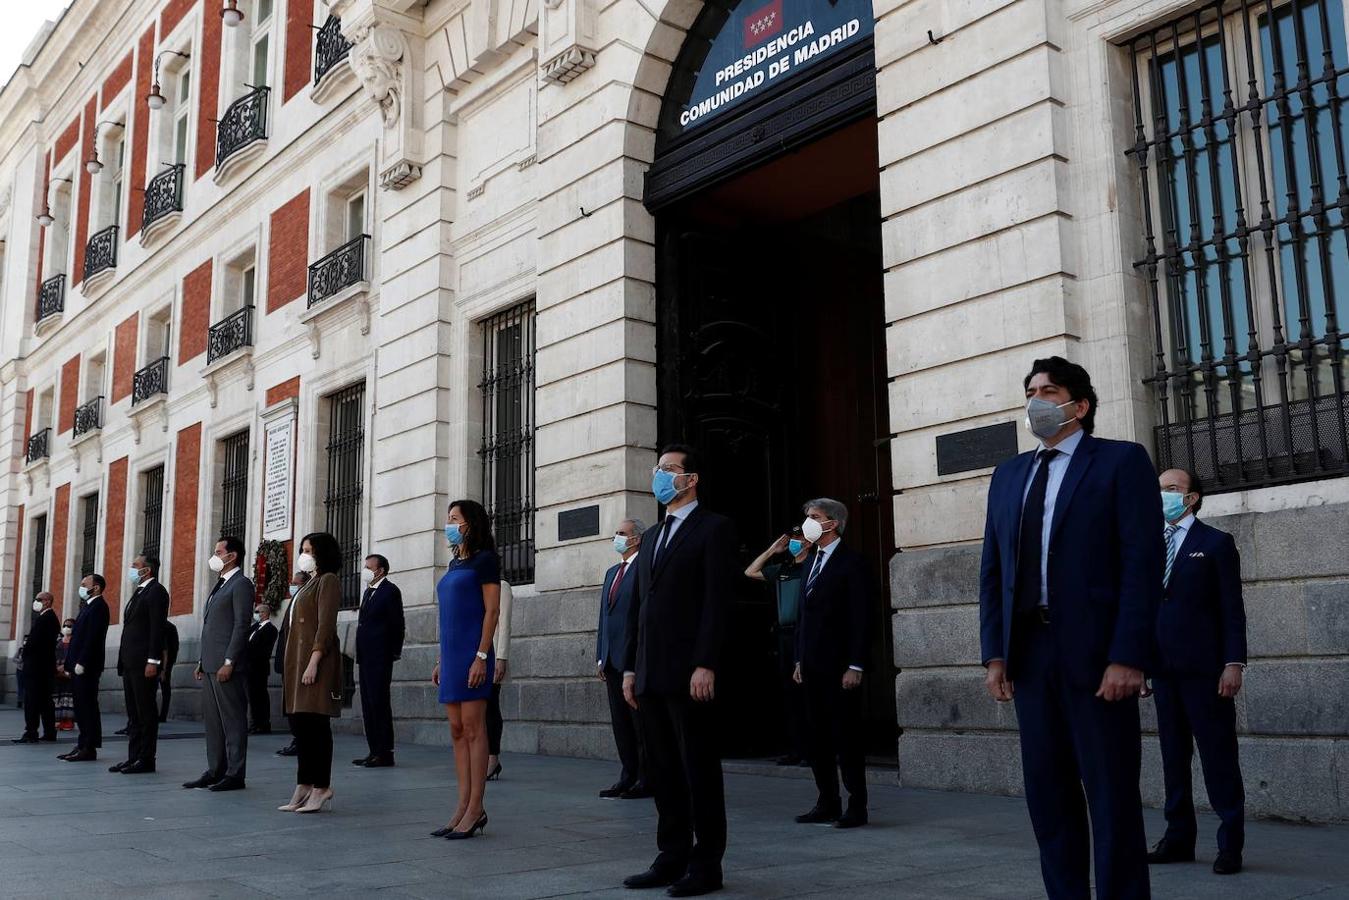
(1058, 467)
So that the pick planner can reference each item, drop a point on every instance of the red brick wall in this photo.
(18, 563)
(288, 252)
(114, 529)
(174, 11)
(196, 318)
(186, 478)
(86, 183)
(60, 521)
(124, 357)
(28, 416)
(299, 46)
(70, 394)
(116, 80)
(140, 130)
(283, 391)
(208, 85)
(67, 139)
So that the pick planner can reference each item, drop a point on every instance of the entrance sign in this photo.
(764, 44)
(278, 478)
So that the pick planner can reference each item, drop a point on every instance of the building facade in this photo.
(275, 266)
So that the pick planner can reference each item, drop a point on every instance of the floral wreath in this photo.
(272, 573)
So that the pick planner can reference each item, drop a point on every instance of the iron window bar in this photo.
(89, 416)
(345, 486)
(152, 514)
(234, 332)
(51, 298)
(151, 380)
(244, 122)
(89, 544)
(100, 253)
(234, 486)
(39, 445)
(330, 47)
(1241, 404)
(338, 270)
(39, 553)
(163, 195)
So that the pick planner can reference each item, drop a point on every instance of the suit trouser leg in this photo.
(695, 729)
(1177, 745)
(259, 700)
(144, 720)
(377, 708)
(165, 694)
(852, 761)
(232, 701)
(39, 708)
(215, 728)
(133, 731)
(822, 699)
(496, 723)
(665, 774)
(1213, 720)
(624, 724)
(87, 715)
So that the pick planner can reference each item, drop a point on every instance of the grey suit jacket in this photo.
(225, 623)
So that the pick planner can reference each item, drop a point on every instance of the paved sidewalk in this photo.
(74, 830)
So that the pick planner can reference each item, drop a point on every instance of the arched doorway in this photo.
(771, 334)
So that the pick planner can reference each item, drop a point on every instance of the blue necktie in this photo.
(1031, 545)
(1170, 552)
(815, 569)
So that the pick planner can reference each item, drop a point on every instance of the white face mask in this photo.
(257, 617)
(37, 606)
(67, 630)
(811, 530)
(306, 563)
(367, 576)
(216, 564)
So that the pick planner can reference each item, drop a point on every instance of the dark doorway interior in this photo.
(772, 361)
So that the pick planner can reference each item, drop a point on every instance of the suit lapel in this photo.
(1078, 464)
(1193, 542)
(692, 523)
(1019, 472)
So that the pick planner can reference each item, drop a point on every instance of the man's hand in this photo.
(996, 680)
(851, 679)
(1120, 682)
(1229, 685)
(151, 670)
(79, 669)
(599, 671)
(630, 689)
(796, 674)
(702, 685)
(435, 675)
(500, 674)
(197, 673)
(223, 674)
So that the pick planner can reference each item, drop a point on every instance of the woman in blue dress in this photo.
(469, 598)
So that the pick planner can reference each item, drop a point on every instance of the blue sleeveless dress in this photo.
(459, 596)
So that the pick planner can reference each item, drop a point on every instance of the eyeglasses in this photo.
(671, 468)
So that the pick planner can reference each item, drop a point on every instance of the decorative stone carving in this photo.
(399, 175)
(567, 39)
(377, 59)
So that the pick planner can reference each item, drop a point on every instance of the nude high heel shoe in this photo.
(315, 803)
(297, 799)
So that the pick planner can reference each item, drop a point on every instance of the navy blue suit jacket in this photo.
(87, 640)
(611, 640)
(380, 626)
(1201, 626)
(1106, 557)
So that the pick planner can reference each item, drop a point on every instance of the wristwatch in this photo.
(482, 656)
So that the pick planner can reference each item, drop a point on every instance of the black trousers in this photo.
(142, 717)
(165, 693)
(84, 689)
(377, 708)
(259, 700)
(836, 742)
(39, 707)
(314, 749)
(627, 730)
(1080, 757)
(1189, 712)
(793, 694)
(495, 723)
(684, 773)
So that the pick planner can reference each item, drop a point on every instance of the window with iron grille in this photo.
(152, 515)
(1240, 136)
(508, 437)
(342, 500)
(89, 537)
(39, 553)
(234, 486)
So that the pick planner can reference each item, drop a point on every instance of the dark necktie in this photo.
(1031, 545)
(665, 535)
(815, 569)
(218, 583)
(613, 589)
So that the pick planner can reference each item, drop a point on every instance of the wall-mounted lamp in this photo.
(45, 218)
(92, 165)
(155, 99)
(232, 14)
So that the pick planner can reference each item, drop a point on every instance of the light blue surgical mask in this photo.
(84, 592)
(134, 575)
(621, 543)
(453, 534)
(663, 486)
(1173, 505)
(294, 589)
(794, 547)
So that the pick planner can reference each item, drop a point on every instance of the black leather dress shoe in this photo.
(651, 878)
(853, 818)
(362, 761)
(204, 781)
(117, 767)
(694, 886)
(49, 739)
(1227, 864)
(637, 792)
(81, 756)
(1169, 851)
(121, 731)
(818, 815)
(228, 783)
(379, 762)
(25, 739)
(615, 790)
(66, 756)
(288, 750)
(139, 767)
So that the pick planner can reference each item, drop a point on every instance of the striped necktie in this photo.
(1170, 552)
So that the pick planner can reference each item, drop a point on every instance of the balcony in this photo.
(39, 445)
(339, 270)
(51, 299)
(150, 381)
(243, 124)
(163, 196)
(234, 332)
(100, 254)
(88, 417)
(331, 47)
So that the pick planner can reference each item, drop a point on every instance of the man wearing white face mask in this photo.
(84, 662)
(380, 631)
(39, 669)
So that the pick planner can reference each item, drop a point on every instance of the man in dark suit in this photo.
(1068, 593)
(139, 662)
(165, 682)
(379, 641)
(39, 672)
(261, 643)
(831, 655)
(223, 670)
(685, 576)
(611, 647)
(84, 661)
(1201, 639)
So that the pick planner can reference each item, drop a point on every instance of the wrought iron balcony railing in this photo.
(51, 299)
(100, 254)
(340, 269)
(39, 445)
(229, 334)
(163, 195)
(89, 417)
(243, 123)
(151, 380)
(331, 47)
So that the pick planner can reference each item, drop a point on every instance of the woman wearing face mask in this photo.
(469, 597)
(780, 566)
(65, 695)
(313, 672)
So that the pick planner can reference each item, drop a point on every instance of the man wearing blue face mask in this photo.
(611, 647)
(1068, 592)
(1201, 638)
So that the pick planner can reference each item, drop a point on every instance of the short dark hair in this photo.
(151, 562)
(693, 461)
(479, 524)
(1196, 488)
(235, 546)
(379, 561)
(327, 552)
(99, 580)
(1072, 378)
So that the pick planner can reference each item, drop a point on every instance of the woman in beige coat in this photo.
(313, 672)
